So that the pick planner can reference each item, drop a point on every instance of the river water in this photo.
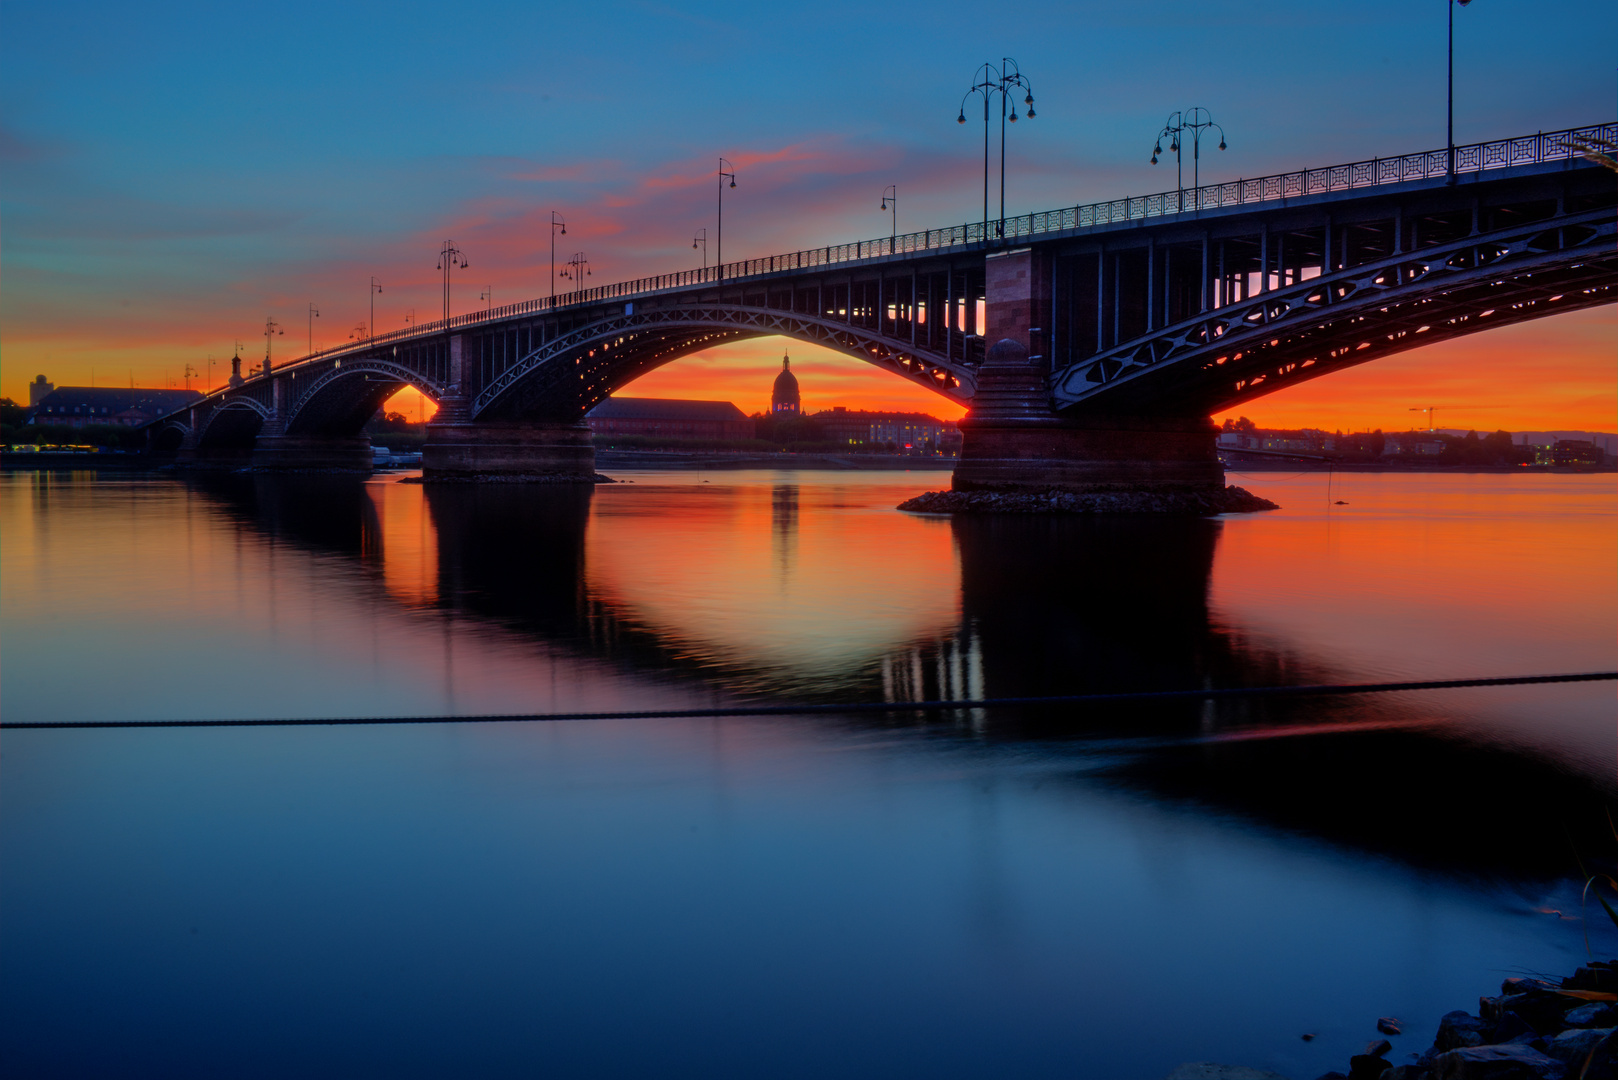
(1101, 892)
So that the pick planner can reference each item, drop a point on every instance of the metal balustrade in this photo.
(1429, 164)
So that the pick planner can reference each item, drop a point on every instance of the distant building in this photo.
(84, 406)
(784, 398)
(38, 389)
(907, 433)
(669, 418)
(1576, 452)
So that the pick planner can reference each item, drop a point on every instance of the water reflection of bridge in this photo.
(1130, 613)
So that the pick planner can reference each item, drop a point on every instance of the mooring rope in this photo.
(1324, 690)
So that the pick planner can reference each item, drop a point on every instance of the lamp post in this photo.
(890, 202)
(991, 81)
(577, 268)
(1449, 176)
(189, 371)
(314, 313)
(1195, 120)
(447, 261)
(376, 287)
(719, 233)
(556, 223)
(487, 296)
(701, 238)
(271, 329)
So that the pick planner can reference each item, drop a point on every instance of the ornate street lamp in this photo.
(556, 223)
(1449, 176)
(314, 313)
(990, 81)
(890, 202)
(719, 233)
(1196, 121)
(272, 329)
(376, 287)
(577, 268)
(701, 238)
(449, 259)
(487, 296)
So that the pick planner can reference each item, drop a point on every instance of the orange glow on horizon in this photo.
(1549, 374)
(417, 407)
(744, 374)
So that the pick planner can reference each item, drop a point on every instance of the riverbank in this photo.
(1536, 1029)
(1232, 500)
(67, 459)
(605, 459)
(1236, 463)
(658, 459)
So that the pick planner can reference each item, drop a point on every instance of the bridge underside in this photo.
(1120, 338)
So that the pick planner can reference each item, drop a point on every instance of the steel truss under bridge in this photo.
(1242, 350)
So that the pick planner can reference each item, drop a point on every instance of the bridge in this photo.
(1091, 343)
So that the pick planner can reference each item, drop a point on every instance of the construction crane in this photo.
(1432, 413)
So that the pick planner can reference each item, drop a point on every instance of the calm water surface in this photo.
(1098, 892)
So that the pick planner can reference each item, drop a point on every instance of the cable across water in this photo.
(1046, 701)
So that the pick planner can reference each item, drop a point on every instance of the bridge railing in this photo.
(1471, 158)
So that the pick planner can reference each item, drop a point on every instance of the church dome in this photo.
(785, 396)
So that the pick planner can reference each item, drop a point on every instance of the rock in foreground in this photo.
(1232, 500)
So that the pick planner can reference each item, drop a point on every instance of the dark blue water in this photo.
(1101, 893)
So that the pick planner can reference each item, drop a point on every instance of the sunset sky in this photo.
(172, 174)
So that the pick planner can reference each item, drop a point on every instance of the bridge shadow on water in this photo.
(1045, 606)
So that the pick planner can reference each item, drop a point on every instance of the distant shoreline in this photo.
(655, 459)
(1294, 465)
(605, 459)
(675, 461)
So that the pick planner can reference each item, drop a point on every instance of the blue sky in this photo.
(171, 173)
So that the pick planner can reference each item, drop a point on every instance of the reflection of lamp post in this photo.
(890, 201)
(556, 223)
(448, 259)
(997, 80)
(1449, 177)
(719, 234)
(375, 288)
(1195, 120)
(701, 238)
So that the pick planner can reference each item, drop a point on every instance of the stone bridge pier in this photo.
(461, 447)
(1014, 440)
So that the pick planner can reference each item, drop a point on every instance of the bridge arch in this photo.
(233, 426)
(567, 376)
(1225, 356)
(340, 400)
(169, 436)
